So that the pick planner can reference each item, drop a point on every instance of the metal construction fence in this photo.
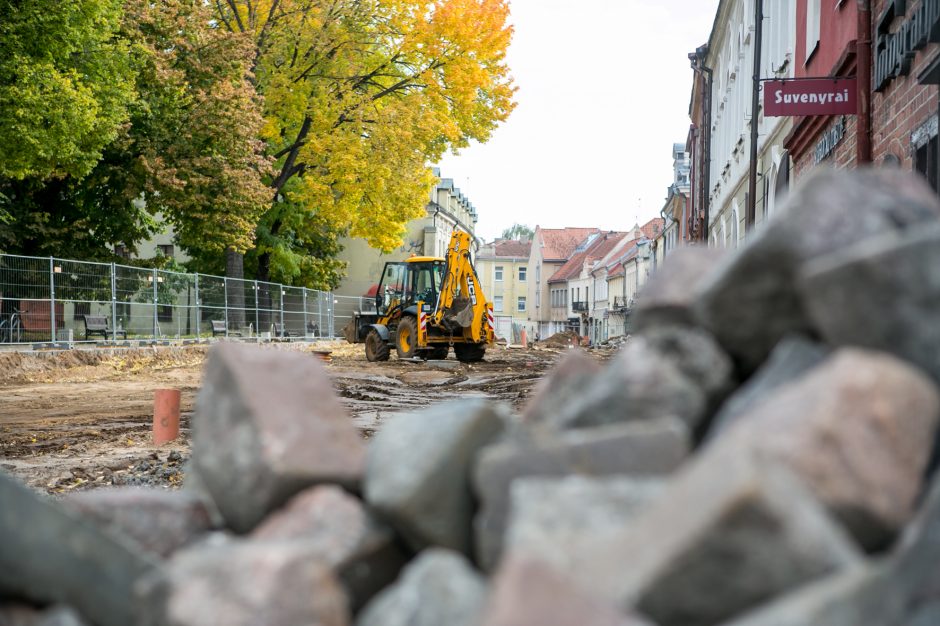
(46, 299)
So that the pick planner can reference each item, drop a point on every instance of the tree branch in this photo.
(238, 18)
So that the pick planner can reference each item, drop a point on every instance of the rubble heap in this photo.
(760, 453)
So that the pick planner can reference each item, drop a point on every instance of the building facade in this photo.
(830, 42)
(551, 249)
(727, 64)
(905, 79)
(503, 269)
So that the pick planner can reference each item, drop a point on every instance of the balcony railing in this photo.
(579, 307)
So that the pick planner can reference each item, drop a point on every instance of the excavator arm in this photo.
(460, 296)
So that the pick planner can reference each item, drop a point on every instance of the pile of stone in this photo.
(758, 454)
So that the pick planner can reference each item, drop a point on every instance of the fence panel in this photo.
(25, 289)
(82, 288)
(40, 295)
(136, 301)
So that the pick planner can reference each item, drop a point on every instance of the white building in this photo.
(730, 57)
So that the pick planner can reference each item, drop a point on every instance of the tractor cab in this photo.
(405, 284)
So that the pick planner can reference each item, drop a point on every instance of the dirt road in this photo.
(81, 419)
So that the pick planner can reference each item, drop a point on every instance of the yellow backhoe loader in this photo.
(425, 305)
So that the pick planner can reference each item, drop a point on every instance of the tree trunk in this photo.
(235, 301)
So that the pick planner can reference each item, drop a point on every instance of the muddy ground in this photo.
(81, 419)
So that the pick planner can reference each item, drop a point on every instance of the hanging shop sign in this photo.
(830, 139)
(810, 96)
(894, 52)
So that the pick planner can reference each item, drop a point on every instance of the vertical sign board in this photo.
(810, 96)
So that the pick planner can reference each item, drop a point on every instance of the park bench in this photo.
(98, 325)
(278, 330)
(218, 327)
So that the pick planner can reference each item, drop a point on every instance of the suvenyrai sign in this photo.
(810, 96)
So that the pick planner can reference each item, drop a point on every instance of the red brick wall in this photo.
(843, 156)
(902, 106)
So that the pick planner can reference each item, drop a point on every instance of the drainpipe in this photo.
(863, 54)
(751, 211)
(698, 65)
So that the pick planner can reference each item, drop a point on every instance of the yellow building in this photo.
(503, 268)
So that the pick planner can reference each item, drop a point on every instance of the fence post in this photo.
(257, 319)
(198, 316)
(283, 328)
(331, 310)
(320, 324)
(114, 319)
(225, 302)
(155, 297)
(52, 297)
(304, 292)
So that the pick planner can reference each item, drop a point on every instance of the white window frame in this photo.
(498, 273)
(813, 14)
(523, 274)
(520, 303)
(498, 304)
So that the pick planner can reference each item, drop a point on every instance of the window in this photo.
(166, 250)
(522, 274)
(813, 11)
(520, 305)
(165, 313)
(498, 304)
(498, 273)
(122, 251)
(925, 161)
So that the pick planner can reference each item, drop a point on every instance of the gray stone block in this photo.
(751, 301)
(267, 425)
(640, 383)
(527, 592)
(668, 297)
(555, 519)
(857, 430)
(22, 615)
(335, 527)
(52, 555)
(860, 596)
(418, 473)
(791, 358)
(882, 294)
(573, 373)
(157, 521)
(245, 583)
(727, 534)
(439, 587)
(644, 448)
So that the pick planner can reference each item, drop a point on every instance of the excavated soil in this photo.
(81, 419)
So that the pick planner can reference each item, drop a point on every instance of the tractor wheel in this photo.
(438, 353)
(406, 339)
(469, 352)
(376, 348)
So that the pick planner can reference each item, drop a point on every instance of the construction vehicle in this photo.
(426, 305)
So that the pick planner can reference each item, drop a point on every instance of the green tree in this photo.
(518, 231)
(189, 152)
(359, 97)
(66, 82)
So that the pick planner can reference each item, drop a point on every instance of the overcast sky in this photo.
(604, 90)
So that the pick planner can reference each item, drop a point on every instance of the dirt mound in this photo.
(42, 366)
(560, 340)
